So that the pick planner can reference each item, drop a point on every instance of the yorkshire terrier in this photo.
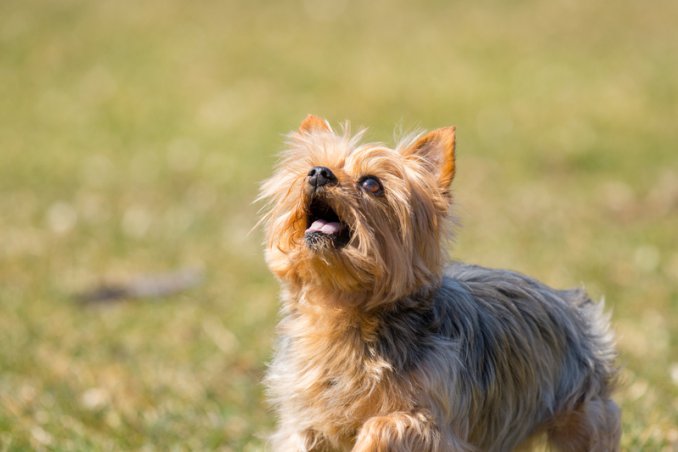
(385, 346)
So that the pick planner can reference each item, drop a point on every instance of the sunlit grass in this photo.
(133, 137)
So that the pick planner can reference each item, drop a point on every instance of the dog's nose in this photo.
(321, 175)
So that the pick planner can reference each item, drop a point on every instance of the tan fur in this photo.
(313, 123)
(374, 351)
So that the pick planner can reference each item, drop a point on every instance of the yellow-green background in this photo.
(133, 136)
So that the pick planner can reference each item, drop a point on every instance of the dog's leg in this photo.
(595, 426)
(404, 432)
(285, 440)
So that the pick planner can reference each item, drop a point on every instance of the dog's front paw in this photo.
(398, 432)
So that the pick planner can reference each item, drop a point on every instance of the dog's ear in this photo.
(436, 150)
(314, 123)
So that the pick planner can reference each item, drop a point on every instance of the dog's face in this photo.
(359, 218)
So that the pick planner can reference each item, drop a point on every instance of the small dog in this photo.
(385, 348)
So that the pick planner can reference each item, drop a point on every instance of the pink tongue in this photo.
(325, 227)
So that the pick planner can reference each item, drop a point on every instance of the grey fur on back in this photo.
(515, 333)
(516, 351)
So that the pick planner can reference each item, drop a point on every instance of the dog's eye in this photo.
(371, 185)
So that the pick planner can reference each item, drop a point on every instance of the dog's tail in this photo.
(597, 321)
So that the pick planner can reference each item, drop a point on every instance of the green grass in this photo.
(133, 136)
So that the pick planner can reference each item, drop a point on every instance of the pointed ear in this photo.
(436, 150)
(314, 123)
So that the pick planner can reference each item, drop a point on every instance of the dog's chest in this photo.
(335, 386)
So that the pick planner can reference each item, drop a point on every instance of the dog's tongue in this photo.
(325, 227)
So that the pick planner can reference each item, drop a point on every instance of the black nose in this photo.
(321, 175)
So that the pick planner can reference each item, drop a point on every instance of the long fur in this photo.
(384, 347)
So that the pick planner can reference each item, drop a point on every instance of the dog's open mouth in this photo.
(324, 227)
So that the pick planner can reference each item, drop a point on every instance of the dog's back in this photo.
(532, 357)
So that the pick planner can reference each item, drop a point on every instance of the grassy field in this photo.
(133, 136)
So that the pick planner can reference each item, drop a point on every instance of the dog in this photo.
(386, 345)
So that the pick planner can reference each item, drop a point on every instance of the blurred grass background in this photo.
(133, 136)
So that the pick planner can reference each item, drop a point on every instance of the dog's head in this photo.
(361, 220)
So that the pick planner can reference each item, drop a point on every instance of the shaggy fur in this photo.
(384, 348)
